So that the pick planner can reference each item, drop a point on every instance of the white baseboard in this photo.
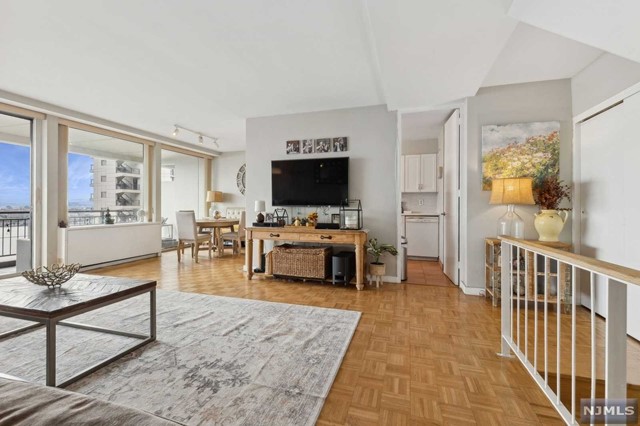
(471, 291)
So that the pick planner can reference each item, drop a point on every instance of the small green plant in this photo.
(108, 219)
(377, 250)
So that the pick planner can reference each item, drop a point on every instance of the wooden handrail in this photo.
(617, 272)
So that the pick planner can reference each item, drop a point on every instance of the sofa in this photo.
(27, 404)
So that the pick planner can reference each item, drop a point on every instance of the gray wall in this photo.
(517, 103)
(605, 77)
(372, 133)
(225, 170)
(420, 146)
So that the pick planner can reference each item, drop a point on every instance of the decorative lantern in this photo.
(351, 215)
(280, 217)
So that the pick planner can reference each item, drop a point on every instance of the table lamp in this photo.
(214, 197)
(511, 191)
(259, 207)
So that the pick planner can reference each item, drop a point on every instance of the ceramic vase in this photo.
(549, 224)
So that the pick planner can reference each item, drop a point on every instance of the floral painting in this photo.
(520, 150)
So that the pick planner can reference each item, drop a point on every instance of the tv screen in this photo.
(316, 182)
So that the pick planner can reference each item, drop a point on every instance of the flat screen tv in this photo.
(315, 182)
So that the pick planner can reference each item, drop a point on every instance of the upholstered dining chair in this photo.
(236, 237)
(188, 234)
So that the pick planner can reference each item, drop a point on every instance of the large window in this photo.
(104, 173)
(182, 188)
(15, 194)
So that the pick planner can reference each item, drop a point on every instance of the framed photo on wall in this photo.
(307, 146)
(339, 144)
(323, 145)
(293, 147)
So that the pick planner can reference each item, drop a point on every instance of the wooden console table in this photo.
(303, 234)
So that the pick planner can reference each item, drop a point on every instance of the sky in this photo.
(15, 177)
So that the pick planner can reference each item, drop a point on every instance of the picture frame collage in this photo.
(317, 146)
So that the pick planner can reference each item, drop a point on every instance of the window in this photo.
(104, 173)
(182, 188)
(15, 194)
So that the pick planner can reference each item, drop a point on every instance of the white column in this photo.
(50, 192)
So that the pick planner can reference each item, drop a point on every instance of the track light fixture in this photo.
(201, 136)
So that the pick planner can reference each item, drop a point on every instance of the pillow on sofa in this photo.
(23, 403)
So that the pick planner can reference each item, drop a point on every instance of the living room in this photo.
(230, 190)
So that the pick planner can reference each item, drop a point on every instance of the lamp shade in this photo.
(512, 191)
(214, 196)
(259, 206)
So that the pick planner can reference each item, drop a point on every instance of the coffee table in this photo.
(83, 293)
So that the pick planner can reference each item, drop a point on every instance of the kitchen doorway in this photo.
(422, 191)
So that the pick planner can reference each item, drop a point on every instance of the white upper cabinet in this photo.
(419, 173)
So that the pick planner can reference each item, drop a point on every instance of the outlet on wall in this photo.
(421, 202)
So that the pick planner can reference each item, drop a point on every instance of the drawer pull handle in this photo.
(328, 237)
(274, 235)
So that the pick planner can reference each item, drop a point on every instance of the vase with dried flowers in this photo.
(551, 218)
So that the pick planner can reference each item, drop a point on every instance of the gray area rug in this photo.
(217, 360)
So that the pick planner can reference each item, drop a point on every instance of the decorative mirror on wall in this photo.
(240, 178)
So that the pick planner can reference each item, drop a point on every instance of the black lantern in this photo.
(351, 215)
(280, 216)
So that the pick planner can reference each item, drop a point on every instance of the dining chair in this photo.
(236, 237)
(188, 234)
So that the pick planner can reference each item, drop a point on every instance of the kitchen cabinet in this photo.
(419, 173)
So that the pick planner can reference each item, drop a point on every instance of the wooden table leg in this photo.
(248, 255)
(360, 265)
(217, 235)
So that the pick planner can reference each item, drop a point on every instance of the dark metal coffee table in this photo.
(83, 293)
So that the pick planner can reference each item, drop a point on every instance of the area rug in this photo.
(217, 360)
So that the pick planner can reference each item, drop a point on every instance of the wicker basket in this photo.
(301, 262)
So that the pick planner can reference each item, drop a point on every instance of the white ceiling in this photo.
(532, 54)
(423, 125)
(210, 65)
(433, 52)
(608, 25)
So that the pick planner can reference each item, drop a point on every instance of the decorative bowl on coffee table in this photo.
(52, 276)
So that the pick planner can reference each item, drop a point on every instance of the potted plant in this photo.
(376, 251)
(551, 218)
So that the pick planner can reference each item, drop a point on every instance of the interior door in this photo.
(609, 173)
(451, 202)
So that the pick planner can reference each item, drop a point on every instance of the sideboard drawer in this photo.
(275, 234)
(328, 238)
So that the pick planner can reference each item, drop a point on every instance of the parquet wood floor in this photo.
(426, 272)
(421, 355)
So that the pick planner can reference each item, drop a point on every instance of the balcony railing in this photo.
(125, 168)
(571, 353)
(14, 225)
(128, 185)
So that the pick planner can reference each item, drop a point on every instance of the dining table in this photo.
(217, 225)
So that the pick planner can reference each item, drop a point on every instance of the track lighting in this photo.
(201, 136)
